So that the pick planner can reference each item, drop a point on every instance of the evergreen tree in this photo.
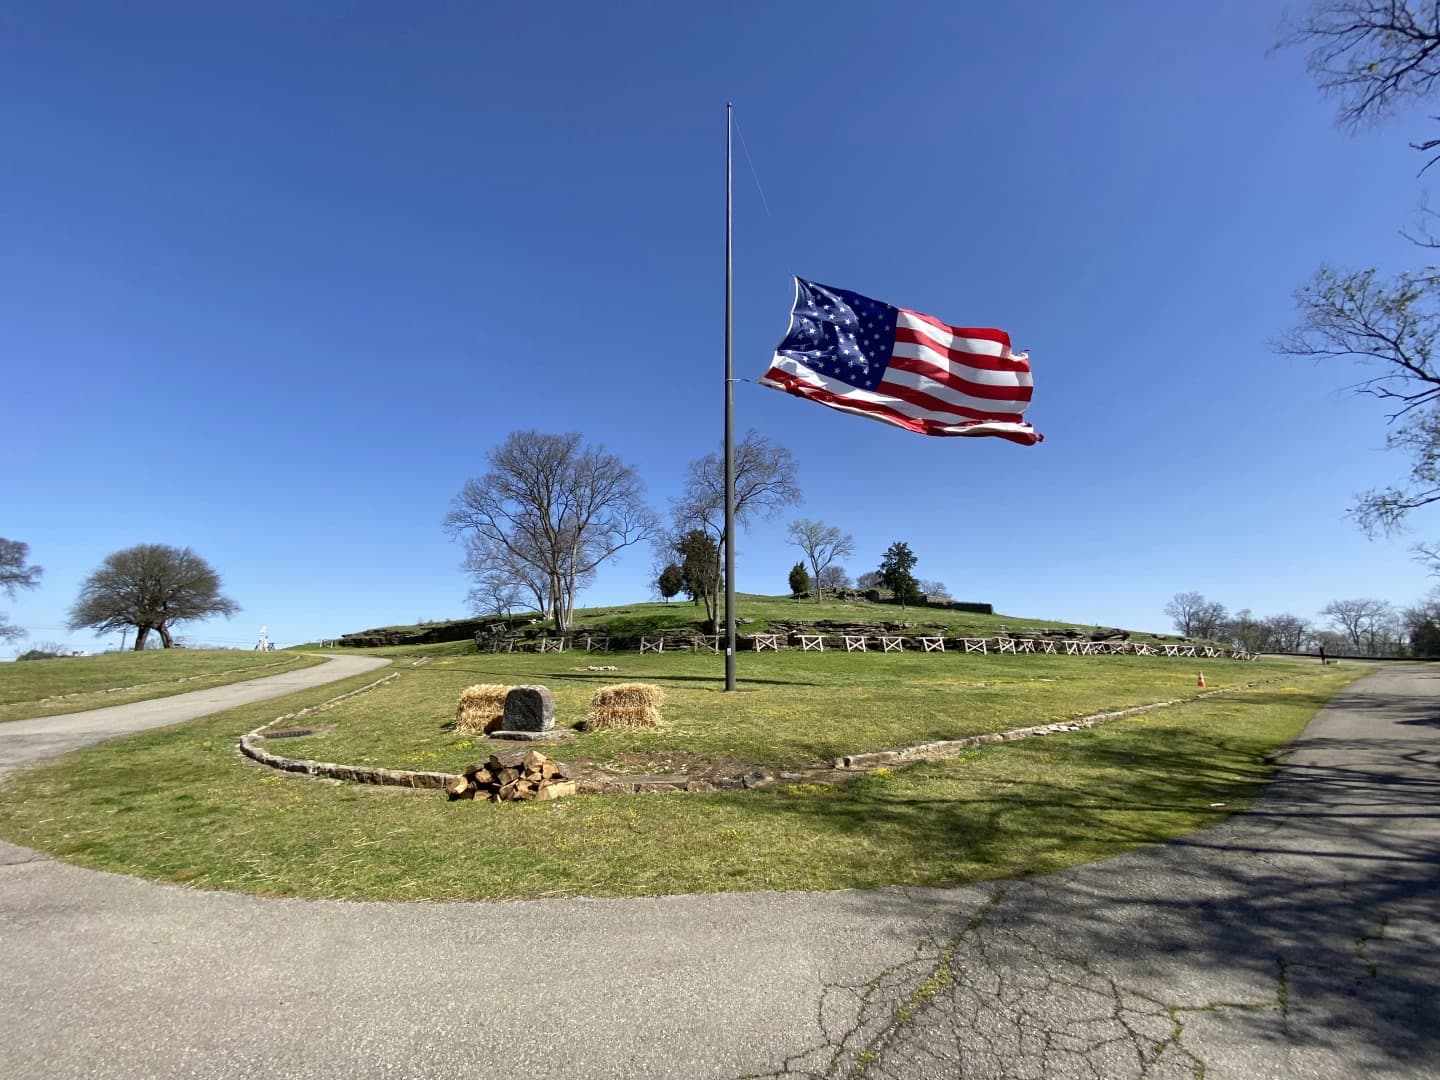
(799, 579)
(700, 570)
(670, 582)
(895, 572)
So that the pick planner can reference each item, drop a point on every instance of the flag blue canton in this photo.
(840, 334)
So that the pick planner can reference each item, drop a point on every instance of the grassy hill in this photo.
(754, 613)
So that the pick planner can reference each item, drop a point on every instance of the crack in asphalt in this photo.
(1010, 1010)
(991, 1004)
(13, 855)
(851, 1019)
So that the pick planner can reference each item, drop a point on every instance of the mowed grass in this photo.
(756, 613)
(180, 805)
(790, 708)
(76, 683)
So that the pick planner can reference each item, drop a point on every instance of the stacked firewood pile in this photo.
(514, 776)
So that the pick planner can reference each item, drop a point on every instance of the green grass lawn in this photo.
(790, 708)
(756, 613)
(180, 805)
(76, 683)
(762, 611)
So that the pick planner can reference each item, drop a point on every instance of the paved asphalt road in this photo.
(1296, 940)
(22, 741)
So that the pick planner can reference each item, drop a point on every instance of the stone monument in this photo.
(529, 716)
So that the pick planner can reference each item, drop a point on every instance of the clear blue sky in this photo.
(274, 278)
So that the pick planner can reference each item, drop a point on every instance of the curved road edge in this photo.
(23, 742)
(1295, 940)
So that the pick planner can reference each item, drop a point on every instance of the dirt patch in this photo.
(672, 762)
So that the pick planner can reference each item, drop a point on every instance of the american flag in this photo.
(863, 356)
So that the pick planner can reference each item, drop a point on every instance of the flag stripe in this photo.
(892, 393)
(909, 418)
(929, 394)
(983, 336)
(953, 381)
(985, 376)
(961, 339)
(915, 344)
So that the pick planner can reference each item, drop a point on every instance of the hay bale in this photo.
(481, 709)
(625, 705)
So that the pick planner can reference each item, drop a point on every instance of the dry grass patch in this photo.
(625, 705)
(481, 708)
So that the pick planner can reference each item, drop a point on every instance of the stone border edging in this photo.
(850, 766)
(842, 769)
(361, 774)
(947, 748)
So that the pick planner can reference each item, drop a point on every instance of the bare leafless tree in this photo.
(765, 483)
(835, 579)
(504, 573)
(150, 587)
(1394, 326)
(1376, 56)
(1285, 633)
(1194, 616)
(934, 589)
(14, 576)
(1273, 633)
(549, 512)
(1422, 625)
(1373, 55)
(496, 593)
(821, 544)
(1361, 622)
(1244, 630)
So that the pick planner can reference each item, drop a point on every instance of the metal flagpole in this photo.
(729, 426)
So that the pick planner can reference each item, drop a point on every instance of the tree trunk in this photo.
(713, 595)
(558, 594)
(165, 639)
(141, 633)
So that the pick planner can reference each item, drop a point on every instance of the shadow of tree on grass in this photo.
(1304, 925)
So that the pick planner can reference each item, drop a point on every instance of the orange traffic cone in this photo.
(1201, 680)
